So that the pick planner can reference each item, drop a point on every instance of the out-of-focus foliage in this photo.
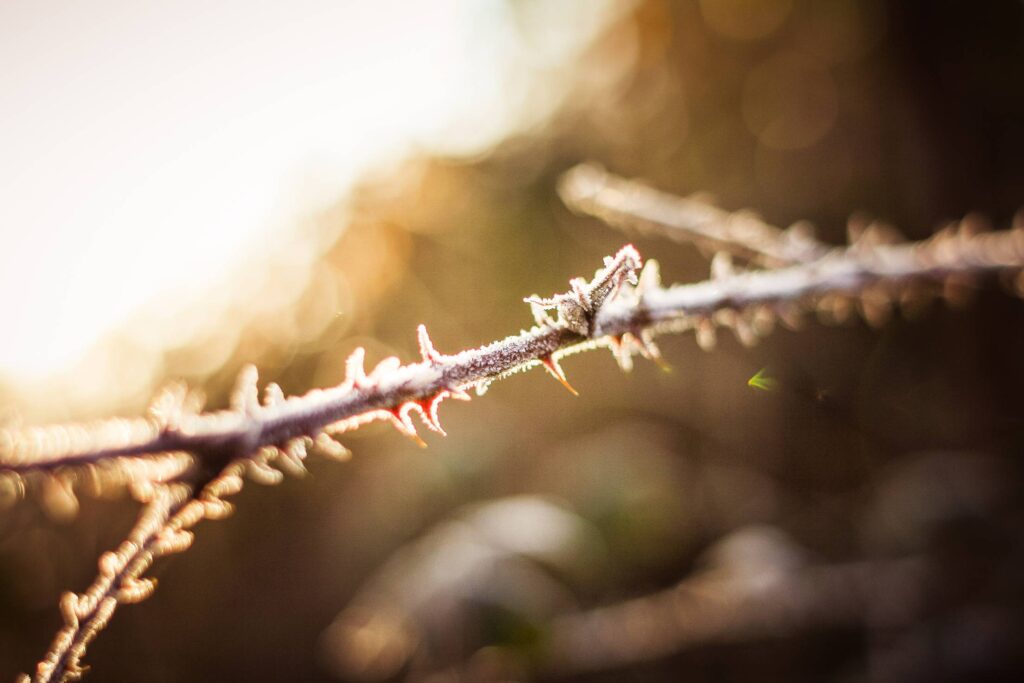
(872, 447)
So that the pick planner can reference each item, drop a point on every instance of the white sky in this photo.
(144, 145)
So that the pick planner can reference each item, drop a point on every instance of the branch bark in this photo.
(875, 274)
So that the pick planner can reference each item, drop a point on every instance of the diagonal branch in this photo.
(392, 390)
(631, 204)
(163, 528)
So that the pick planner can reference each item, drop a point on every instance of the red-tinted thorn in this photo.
(552, 366)
(620, 351)
(428, 412)
(405, 426)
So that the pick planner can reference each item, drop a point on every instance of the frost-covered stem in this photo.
(161, 529)
(882, 270)
(391, 390)
(631, 204)
(221, 434)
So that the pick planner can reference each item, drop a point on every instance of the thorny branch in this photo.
(162, 529)
(633, 205)
(873, 276)
(181, 462)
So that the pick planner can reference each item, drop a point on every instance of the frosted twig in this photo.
(392, 390)
(631, 204)
(163, 528)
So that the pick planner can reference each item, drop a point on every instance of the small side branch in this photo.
(163, 528)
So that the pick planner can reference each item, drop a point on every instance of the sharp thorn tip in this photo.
(556, 371)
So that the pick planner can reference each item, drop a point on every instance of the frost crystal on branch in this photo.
(576, 308)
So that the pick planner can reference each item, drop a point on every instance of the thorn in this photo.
(621, 353)
(427, 350)
(539, 312)
(650, 278)
(662, 364)
(428, 412)
(555, 369)
(331, 448)
(69, 609)
(262, 473)
(745, 331)
(957, 290)
(354, 371)
(790, 316)
(272, 394)
(297, 447)
(945, 234)
(834, 308)
(385, 367)
(245, 397)
(630, 258)
(400, 418)
(801, 232)
(459, 394)
(874, 234)
(874, 304)
(542, 302)
(763, 320)
(706, 335)
(652, 352)
(194, 401)
(168, 405)
(722, 266)
(618, 269)
(856, 225)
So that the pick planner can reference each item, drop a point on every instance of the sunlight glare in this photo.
(146, 146)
